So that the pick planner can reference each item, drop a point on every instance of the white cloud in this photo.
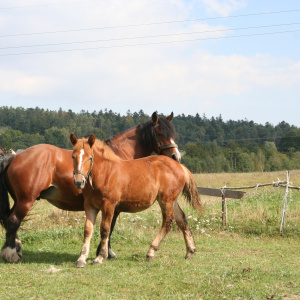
(23, 84)
(147, 76)
(223, 7)
(187, 75)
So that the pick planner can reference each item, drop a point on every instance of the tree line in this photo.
(207, 145)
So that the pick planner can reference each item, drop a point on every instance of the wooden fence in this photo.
(235, 193)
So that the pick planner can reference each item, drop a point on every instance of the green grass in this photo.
(226, 266)
(259, 213)
(249, 260)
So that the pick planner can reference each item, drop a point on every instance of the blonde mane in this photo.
(107, 152)
(99, 146)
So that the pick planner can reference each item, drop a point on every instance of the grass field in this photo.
(249, 260)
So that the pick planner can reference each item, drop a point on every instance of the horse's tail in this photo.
(190, 191)
(4, 200)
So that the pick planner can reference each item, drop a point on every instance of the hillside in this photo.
(209, 145)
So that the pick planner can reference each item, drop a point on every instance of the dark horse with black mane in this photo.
(45, 171)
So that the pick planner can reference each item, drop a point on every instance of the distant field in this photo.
(249, 260)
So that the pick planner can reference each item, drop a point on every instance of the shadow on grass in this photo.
(46, 257)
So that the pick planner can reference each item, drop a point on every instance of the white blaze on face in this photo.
(80, 159)
(176, 149)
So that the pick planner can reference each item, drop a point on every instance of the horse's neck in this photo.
(127, 145)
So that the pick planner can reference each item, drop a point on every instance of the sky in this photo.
(236, 58)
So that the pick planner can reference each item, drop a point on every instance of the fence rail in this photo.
(231, 192)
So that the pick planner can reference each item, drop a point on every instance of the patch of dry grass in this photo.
(218, 180)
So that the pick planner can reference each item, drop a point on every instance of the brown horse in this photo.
(45, 171)
(113, 185)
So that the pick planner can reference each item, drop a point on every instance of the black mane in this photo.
(147, 132)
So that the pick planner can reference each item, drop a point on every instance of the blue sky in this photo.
(212, 57)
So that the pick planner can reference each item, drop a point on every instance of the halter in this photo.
(159, 146)
(89, 175)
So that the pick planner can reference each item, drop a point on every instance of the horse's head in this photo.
(83, 159)
(164, 137)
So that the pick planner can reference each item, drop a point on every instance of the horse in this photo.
(45, 171)
(112, 185)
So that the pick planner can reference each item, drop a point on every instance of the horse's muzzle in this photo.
(80, 184)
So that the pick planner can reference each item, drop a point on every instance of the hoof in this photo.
(190, 254)
(98, 260)
(111, 254)
(10, 255)
(149, 258)
(80, 264)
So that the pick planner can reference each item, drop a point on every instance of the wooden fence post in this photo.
(224, 193)
(224, 210)
(282, 224)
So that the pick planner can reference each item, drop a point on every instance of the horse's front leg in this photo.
(111, 254)
(91, 215)
(102, 250)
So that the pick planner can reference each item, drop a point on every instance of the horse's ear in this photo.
(91, 140)
(170, 117)
(155, 118)
(73, 139)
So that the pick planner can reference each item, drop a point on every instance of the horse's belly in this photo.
(134, 205)
(63, 200)
(131, 207)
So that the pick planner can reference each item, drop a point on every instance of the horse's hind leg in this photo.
(111, 254)
(91, 215)
(184, 227)
(102, 250)
(168, 216)
(12, 250)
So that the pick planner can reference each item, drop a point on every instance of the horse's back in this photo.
(157, 165)
(156, 172)
(37, 156)
(170, 172)
(34, 169)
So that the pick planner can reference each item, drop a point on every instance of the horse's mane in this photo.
(147, 132)
(99, 146)
(107, 152)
